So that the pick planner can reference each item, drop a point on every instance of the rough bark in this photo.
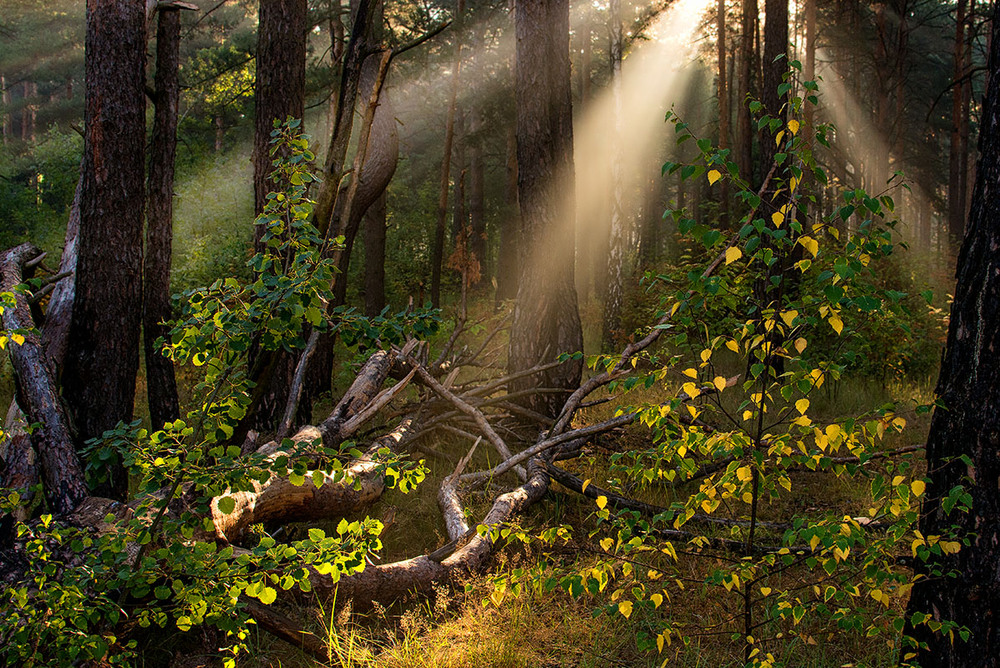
(279, 88)
(103, 345)
(546, 318)
(279, 93)
(968, 425)
(160, 381)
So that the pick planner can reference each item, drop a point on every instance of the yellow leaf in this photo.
(793, 183)
(836, 323)
(659, 638)
(602, 501)
(706, 354)
(793, 126)
(744, 474)
(690, 373)
(778, 138)
(800, 344)
(733, 345)
(17, 338)
(777, 218)
(713, 176)
(813, 542)
(733, 254)
(720, 383)
(802, 421)
(789, 317)
(657, 599)
(747, 415)
(625, 607)
(810, 245)
(691, 390)
(802, 405)
(918, 487)
(607, 544)
(583, 488)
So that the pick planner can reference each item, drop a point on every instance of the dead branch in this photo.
(468, 409)
(451, 508)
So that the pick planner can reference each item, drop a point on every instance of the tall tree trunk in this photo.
(956, 208)
(968, 426)
(459, 219)
(508, 267)
(546, 319)
(375, 257)
(160, 381)
(964, 121)
(103, 355)
(437, 252)
(746, 56)
(723, 92)
(279, 93)
(279, 89)
(5, 114)
(809, 70)
(28, 111)
(477, 196)
(775, 67)
(611, 334)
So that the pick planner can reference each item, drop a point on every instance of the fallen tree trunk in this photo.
(389, 582)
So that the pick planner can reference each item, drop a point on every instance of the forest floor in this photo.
(466, 625)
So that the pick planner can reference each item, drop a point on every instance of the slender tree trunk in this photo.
(956, 208)
(160, 381)
(723, 92)
(459, 219)
(28, 112)
(375, 257)
(968, 426)
(745, 66)
(611, 334)
(103, 355)
(508, 268)
(809, 70)
(5, 115)
(477, 196)
(437, 252)
(775, 46)
(964, 121)
(546, 319)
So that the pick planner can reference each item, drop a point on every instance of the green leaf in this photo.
(227, 505)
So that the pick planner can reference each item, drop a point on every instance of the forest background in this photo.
(901, 84)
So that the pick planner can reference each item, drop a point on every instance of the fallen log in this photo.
(389, 582)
